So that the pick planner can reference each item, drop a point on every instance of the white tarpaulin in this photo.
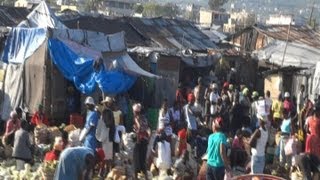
(13, 89)
(298, 55)
(95, 40)
(126, 63)
(42, 16)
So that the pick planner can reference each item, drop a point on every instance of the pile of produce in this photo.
(8, 171)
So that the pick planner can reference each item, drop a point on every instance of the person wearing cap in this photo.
(12, 125)
(217, 162)
(277, 110)
(107, 116)
(225, 88)
(142, 130)
(191, 117)
(258, 142)
(254, 109)
(88, 134)
(214, 96)
(287, 103)
(39, 117)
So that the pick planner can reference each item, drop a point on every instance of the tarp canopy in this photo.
(297, 54)
(81, 71)
(42, 16)
(22, 43)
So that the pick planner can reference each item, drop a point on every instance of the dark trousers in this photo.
(140, 156)
(215, 173)
(308, 163)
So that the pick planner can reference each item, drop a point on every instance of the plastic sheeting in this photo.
(22, 43)
(298, 55)
(42, 16)
(95, 40)
(13, 89)
(80, 70)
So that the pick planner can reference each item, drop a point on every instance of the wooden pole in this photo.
(285, 49)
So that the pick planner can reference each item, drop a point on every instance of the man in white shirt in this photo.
(300, 98)
(214, 96)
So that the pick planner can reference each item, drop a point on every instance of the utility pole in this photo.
(285, 49)
(311, 15)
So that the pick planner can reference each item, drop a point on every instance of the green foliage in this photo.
(156, 10)
(92, 5)
(138, 8)
(216, 4)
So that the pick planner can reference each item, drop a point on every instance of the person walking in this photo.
(88, 134)
(217, 162)
(141, 128)
(258, 142)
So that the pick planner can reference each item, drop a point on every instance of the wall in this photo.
(21, 3)
(205, 18)
(168, 67)
(273, 83)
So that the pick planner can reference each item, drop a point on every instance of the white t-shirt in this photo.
(213, 98)
(261, 143)
(119, 128)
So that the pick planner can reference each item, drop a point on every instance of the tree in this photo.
(156, 10)
(216, 4)
(138, 8)
(93, 5)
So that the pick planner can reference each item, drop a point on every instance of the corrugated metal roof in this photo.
(298, 34)
(175, 31)
(159, 32)
(108, 26)
(12, 16)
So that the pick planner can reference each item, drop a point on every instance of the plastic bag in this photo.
(290, 148)
(227, 176)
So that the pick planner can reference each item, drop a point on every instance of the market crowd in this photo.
(210, 130)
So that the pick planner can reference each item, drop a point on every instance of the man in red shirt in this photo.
(39, 117)
(182, 139)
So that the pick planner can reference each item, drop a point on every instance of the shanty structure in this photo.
(276, 47)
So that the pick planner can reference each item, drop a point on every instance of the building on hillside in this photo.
(239, 21)
(120, 7)
(276, 19)
(208, 18)
(27, 3)
(192, 12)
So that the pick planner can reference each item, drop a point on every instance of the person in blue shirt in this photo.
(75, 163)
(217, 162)
(88, 134)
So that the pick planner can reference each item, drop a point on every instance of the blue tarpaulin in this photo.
(80, 70)
(22, 43)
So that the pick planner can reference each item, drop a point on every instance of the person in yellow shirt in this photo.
(277, 111)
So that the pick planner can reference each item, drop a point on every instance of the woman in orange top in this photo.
(39, 117)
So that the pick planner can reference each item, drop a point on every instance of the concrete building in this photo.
(208, 18)
(276, 19)
(120, 7)
(26, 3)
